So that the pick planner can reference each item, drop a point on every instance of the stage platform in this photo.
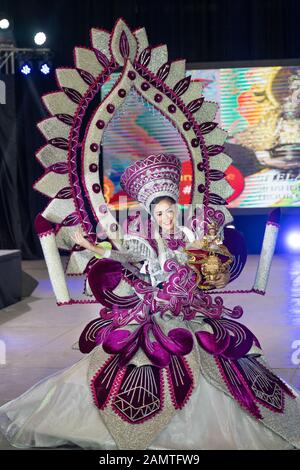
(10, 277)
(39, 336)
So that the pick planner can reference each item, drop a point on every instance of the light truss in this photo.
(8, 55)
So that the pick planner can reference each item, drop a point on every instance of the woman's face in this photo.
(165, 215)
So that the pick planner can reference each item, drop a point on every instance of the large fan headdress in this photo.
(74, 131)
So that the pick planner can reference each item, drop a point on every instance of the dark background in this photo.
(197, 30)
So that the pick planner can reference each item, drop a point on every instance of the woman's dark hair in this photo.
(161, 198)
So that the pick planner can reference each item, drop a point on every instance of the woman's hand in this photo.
(221, 281)
(81, 241)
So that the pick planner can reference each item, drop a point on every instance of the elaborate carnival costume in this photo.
(167, 365)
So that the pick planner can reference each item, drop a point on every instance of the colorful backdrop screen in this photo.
(260, 109)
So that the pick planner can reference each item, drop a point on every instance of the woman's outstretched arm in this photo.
(126, 255)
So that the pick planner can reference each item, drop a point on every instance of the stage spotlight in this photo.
(293, 240)
(45, 63)
(26, 68)
(40, 38)
(44, 68)
(4, 23)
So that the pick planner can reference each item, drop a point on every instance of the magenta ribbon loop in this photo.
(229, 338)
(178, 341)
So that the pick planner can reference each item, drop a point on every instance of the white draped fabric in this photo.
(59, 411)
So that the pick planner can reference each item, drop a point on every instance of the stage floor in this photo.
(40, 338)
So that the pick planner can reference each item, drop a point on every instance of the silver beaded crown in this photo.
(156, 175)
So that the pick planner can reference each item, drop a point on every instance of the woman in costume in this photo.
(162, 357)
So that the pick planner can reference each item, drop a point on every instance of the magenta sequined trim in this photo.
(117, 386)
(270, 222)
(238, 291)
(228, 385)
(79, 301)
(111, 392)
(45, 234)
(171, 388)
